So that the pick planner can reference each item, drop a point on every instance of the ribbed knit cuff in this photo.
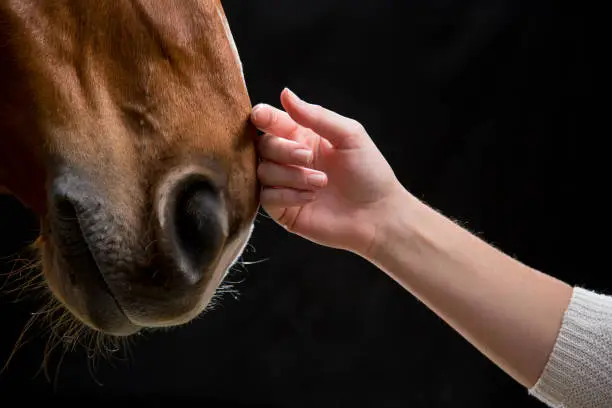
(579, 370)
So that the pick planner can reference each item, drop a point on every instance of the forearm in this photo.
(510, 312)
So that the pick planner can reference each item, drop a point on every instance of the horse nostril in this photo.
(199, 226)
(71, 209)
(64, 210)
(67, 226)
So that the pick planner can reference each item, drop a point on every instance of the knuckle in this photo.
(268, 198)
(271, 147)
(272, 197)
(273, 118)
(317, 113)
(355, 128)
(317, 108)
(262, 170)
(290, 222)
(285, 195)
(283, 218)
(264, 143)
(297, 133)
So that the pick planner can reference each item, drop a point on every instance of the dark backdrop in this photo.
(484, 109)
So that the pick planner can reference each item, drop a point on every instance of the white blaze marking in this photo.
(230, 37)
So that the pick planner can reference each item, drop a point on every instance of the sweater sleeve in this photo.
(579, 369)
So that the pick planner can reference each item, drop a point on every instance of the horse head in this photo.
(124, 127)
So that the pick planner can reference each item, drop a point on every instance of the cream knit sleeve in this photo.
(579, 371)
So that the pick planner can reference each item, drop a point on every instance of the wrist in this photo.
(392, 221)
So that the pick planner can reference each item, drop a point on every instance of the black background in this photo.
(485, 109)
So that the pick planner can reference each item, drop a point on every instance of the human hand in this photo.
(322, 176)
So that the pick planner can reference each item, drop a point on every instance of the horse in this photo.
(125, 129)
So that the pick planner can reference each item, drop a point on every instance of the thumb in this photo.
(342, 132)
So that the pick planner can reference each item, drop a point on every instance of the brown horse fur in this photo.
(123, 100)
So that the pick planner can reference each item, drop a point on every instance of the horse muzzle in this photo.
(119, 269)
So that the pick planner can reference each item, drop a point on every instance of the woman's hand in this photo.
(323, 177)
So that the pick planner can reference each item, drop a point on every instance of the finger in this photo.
(284, 197)
(284, 151)
(269, 119)
(275, 175)
(342, 132)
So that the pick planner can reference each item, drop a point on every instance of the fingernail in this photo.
(307, 195)
(316, 180)
(293, 96)
(303, 156)
(255, 113)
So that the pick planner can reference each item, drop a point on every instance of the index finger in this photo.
(271, 120)
(340, 131)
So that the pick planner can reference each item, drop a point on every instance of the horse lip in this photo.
(93, 272)
(71, 200)
(106, 286)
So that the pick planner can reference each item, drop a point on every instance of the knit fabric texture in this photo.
(579, 370)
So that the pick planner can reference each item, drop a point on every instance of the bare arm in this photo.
(510, 312)
(324, 179)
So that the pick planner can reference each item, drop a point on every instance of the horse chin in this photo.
(87, 300)
(90, 302)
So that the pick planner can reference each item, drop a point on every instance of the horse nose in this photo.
(92, 232)
(193, 225)
(128, 263)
